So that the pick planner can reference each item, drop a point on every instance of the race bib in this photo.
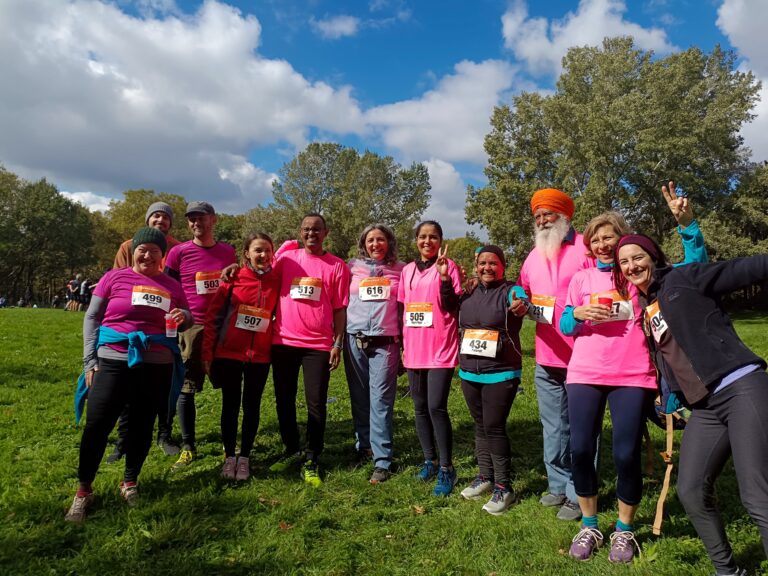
(374, 288)
(542, 308)
(656, 321)
(207, 282)
(252, 318)
(621, 308)
(151, 296)
(480, 343)
(418, 315)
(306, 288)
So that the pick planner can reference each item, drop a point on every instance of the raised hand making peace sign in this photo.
(680, 206)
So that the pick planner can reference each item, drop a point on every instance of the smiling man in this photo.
(197, 264)
(309, 334)
(159, 216)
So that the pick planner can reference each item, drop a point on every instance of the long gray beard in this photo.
(549, 241)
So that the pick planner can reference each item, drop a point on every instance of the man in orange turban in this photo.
(545, 275)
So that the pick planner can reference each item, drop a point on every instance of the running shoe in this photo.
(446, 480)
(229, 470)
(480, 485)
(552, 500)
(379, 475)
(501, 499)
(428, 471)
(310, 474)
(623, 546)
(168, 446)
(286, 462)
(243, 471)
(569, 511)
(185, 459)
(79, 508)
(130, 493)
(585, 543)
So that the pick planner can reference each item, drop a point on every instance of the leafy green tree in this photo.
(44, 237)
(619, 124)
(229, 229)
(462, 251)
(350, 190)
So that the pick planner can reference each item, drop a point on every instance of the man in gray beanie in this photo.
(159, 215)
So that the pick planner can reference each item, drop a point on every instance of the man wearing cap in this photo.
(557, 255)
(197, 264)
(160, 216)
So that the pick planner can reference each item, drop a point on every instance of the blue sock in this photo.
(589, 521)
(621, 527)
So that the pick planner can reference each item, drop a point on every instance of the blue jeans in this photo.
(553, 413)
(372, 380)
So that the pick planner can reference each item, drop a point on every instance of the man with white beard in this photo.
(558, 254)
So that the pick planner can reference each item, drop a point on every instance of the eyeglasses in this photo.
(310, 230)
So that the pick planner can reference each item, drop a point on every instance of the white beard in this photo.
(549, 240)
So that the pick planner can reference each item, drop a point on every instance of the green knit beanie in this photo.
(148, 235)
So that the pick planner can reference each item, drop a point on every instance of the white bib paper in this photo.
(418, 315)
(252, 318)
(480, 343)
(542, 308)
(207, 282)
(374, 288)
(306, 289)
(151, 296)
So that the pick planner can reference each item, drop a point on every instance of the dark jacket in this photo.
(689, 300)
(487, 307)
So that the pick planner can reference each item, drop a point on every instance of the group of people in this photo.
(77, 294)
(609, 312)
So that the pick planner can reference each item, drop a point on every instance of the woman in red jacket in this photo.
(236, 347)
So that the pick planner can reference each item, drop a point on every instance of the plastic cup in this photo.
(170, 326)
(605, 301)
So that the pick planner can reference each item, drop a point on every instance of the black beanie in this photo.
(494, 250)
(148, 235)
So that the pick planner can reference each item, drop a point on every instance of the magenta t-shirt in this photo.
(312, 287)
(545, 280)
(611, 353)
(199, 269)
(435, 345)
(138, 303)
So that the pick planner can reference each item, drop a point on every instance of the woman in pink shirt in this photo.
(610, 365)
(430, 353)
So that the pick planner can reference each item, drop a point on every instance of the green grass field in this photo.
(195, 523)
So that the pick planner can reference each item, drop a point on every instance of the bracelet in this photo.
(338, 345)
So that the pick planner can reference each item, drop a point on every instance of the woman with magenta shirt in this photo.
(430, 353)
(128, 360)
(236, 348)
(610, 365)
(372, 350)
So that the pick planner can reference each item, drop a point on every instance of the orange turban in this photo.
(553, 200)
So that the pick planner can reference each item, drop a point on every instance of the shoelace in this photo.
(624, 540)
(586, 535)
(78, 506)
(478, 481)
(497, 496)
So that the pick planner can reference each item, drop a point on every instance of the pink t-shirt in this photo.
(199, 269)
(138, 303)
(435, 345)
(312, 287)
(549, 280)
(611, 353)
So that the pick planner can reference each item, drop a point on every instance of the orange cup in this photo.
(605, 301)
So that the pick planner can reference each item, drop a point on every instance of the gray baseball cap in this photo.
(199, 208)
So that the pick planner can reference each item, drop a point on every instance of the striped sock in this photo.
(621, 527)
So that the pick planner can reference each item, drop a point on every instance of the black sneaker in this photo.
(115, 455)
(168, 446)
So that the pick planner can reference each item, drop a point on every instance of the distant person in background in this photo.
(3, 302)
(73, 293)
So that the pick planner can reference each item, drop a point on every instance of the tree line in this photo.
(620, 122)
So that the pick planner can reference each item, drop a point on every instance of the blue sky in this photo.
(209, 99)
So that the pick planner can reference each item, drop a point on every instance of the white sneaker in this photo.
(501, 499)
(480, 485)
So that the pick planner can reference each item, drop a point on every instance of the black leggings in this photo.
(733, 422)
(286, 362)
(429, 389)
(227, 375)
(114, 386)
(586, 406)
(489, 405)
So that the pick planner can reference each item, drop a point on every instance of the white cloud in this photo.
(96, 99)
(450, 121)
(336, 27)
(448, 192)
(743, 22)
(541, 43)
(92, 201)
